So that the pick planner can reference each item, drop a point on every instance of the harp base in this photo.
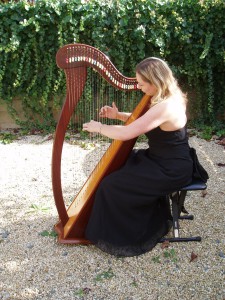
(79, 241)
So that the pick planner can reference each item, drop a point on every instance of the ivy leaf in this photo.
(156, 259)
(193, 256)
(222, 142)
(44, 233)
(165, 244)
(48, 233)
(221, 165)
(105, 275)
(36, 208)
(204, 193)
(207, 45)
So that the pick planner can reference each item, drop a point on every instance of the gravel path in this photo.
(34, 266)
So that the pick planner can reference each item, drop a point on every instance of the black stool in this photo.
(177, 198)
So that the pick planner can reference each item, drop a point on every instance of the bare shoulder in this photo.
(177, 102)
(175, 110)
(170, 105)
(169, 108)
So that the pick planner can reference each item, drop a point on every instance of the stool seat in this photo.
(195, 185)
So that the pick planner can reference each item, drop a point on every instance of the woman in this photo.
(130, 212)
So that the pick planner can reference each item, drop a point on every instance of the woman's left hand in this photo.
(92, 126)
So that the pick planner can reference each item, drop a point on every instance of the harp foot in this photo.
(73, 241)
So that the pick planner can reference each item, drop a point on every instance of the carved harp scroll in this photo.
(74, 59)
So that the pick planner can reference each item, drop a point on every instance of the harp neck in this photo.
(80, 55)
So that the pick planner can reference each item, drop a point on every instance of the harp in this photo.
(75, 59)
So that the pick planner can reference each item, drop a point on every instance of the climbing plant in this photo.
(188, 34)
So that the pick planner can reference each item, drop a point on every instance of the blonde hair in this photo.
(157, 72)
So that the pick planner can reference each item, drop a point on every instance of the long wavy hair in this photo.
(156, 71)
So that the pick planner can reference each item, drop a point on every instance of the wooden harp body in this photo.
(74, 59)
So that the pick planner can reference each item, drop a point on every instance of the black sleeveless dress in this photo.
(130, 212)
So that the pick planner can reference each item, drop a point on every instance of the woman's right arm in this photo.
(112, 112)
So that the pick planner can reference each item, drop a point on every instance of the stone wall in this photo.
(6, 121)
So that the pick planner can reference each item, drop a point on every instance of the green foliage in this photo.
(189, 34)
(47, 233)
(81, 292)
(156, 259)
(206, 132)
(7, 138)
(134, 283)
(105, 275)
(169, 255)
(37, 208)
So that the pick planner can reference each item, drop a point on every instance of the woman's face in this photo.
(146, 87)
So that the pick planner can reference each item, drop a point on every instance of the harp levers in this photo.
(75, 59)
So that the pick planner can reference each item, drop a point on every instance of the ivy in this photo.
(188, 34)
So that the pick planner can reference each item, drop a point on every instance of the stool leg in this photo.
(182, 209)
(175, 211)
(181, 239)
(177, 199)
(188, 217)
(181, 202)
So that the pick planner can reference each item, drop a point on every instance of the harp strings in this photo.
(97, 93)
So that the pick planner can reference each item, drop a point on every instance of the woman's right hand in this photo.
(109, 112)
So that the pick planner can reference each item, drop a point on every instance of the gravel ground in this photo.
(34, 266)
